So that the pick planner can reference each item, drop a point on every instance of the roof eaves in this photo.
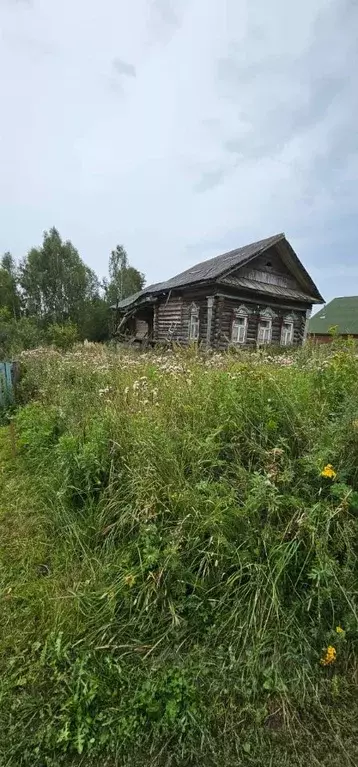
(298, 263)
(268, 289)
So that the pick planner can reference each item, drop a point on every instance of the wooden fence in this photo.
(8, 377)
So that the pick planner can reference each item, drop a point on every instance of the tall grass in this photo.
(173, 563)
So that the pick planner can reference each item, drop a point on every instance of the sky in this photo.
(181, 129)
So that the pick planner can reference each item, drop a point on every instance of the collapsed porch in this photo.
(136, 325)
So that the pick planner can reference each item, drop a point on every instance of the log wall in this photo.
(224, 315)
(168, 320)
(172, 317)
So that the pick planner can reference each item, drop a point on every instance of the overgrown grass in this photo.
(173, 563)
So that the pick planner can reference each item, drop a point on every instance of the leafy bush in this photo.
(62, 336)
(18, 334)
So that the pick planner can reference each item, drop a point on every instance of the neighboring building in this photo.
(339, 317)
(257, 294)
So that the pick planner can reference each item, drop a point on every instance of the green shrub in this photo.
(62, 336)
(18, 334)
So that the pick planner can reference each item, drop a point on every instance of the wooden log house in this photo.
(256, 294)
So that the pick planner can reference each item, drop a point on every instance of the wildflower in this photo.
(355, 425)
(339, 630)
(329, 472)
(103, 391)
(329, 656)
(129, 580)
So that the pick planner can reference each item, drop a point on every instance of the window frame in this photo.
(268, 327)
(239, 314)
(283, 341)
(194, 322)
(266, 315)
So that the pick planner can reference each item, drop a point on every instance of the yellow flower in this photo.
(339, 630)
(129, 580)
(329, 656)
(329, 471)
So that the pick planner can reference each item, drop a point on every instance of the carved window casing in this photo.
(287, 330)
(239, 325)
(264, 330)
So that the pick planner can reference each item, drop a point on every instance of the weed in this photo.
(178, 547)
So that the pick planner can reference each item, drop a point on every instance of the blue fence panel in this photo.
(8, 376)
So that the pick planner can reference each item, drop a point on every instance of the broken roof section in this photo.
(220, 266)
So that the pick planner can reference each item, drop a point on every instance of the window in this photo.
(286, 333)
(194, 323)
(238, 329)
(264, 331)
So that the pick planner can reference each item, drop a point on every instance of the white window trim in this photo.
(239, 315)
(267, 330)
(194, 323)
(284, 340)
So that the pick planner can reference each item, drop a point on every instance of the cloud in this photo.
(210, 179)
(282, 121)
(241, 122)
(165, 9)
(123, 68)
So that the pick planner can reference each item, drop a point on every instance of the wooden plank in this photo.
(169, 319)
(270, 269)
(8, 377)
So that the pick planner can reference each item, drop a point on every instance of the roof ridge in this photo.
(342, 298)
(241, 247)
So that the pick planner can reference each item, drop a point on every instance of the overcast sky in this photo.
(181, 129)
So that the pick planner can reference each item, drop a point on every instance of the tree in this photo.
(55, 282)
(124, 280)
(9, 289)
(95, 320)
(54, 287)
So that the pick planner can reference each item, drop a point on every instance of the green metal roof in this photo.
(341, 313)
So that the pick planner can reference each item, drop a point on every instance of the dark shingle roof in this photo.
(341, 312)
(212, 269)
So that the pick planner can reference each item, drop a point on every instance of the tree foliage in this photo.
(124, 280)
(9, 289)
(55, 281)
(53, 287)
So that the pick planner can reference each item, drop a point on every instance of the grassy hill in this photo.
(178, 560)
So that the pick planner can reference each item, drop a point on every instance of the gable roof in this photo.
(341, 312)
(220, 266)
